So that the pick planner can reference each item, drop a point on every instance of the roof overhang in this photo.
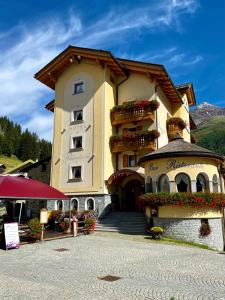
(187, 89)
(175, 154)
(49, 74)
(154, 72)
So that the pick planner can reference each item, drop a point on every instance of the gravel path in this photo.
(147, 271)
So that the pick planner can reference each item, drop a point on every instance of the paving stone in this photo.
(147, 271)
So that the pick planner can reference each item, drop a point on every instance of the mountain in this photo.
(210, 133)
(205, 111)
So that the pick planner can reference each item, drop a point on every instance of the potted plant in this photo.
(205, 229)
(35, 228)
(65, 226)
(55, 218)
(156, 232)
(90, 224)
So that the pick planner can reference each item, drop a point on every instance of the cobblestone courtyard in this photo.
(147, 271)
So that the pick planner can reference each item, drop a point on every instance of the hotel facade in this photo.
(109, 112)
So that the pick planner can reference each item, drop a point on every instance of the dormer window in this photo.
(78, 87)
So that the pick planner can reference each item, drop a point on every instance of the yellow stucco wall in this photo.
(91, 159)
(173, 211)
(155, 168)
(110, 159)
(182, 111)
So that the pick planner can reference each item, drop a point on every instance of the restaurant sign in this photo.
(12, 240)
(175, 164)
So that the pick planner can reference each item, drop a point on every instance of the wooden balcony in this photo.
(175, 126)
(172, 130)
(134, 115)
(133, 143)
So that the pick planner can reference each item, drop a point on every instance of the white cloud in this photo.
(33, 46)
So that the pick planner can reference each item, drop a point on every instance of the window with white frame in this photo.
(75, 204)
(59, 205)
(164, 184)
(90, 204)
(183, 183)
(201, 183)
(76, 143)
(77, 116)
(75, 173)
(78, 87)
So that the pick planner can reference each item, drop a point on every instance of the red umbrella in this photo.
(14, 187)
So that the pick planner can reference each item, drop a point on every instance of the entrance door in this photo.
(130, 194)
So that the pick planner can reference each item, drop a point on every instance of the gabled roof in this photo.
(120, 67)
(180, 148)
(188, 89)
(49, 74)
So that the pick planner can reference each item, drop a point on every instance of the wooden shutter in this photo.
(125, 160)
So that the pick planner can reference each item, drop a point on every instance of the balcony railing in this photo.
(175, 126)
(135, 115)
(134, 111)
(135, 142)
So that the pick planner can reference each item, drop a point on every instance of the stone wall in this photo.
(188, 230)
(102, 204)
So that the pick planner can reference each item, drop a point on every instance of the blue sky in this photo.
(186, 36)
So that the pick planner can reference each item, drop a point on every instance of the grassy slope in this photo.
(212, 135)
(10, 162)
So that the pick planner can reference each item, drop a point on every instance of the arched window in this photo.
(164, 184)
(183, 183)
(148, 185)
(75, 204)
(90, 204)
(60, 205)
(215, 184)
(201, 184)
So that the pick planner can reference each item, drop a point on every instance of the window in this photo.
(77, 116)
(201, 183)
(90, 204)
(164, 184)
(74, 204)
(76, 173)
(215, 184)
(148, 185)
(59, 205)
(129, 160)
(76, 142)
(78, 87)
(183, 183)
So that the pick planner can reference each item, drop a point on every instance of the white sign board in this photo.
(11, 235)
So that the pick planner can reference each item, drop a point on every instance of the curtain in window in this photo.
(164, 184)
(183, 183)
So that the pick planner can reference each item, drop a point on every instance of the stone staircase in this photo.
(123, 222)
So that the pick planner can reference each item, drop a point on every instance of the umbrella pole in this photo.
(20, 212)
(70, 215)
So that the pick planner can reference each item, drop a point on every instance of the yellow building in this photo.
(109, 112)
(185, 192)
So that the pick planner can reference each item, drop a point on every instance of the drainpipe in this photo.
(156, 114)
(117, 99)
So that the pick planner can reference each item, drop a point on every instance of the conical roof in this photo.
(179, 148)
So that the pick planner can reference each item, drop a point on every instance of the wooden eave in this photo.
(50, 106)
(189, 91)
(49, 74)
(154, 72)
(192, 123)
